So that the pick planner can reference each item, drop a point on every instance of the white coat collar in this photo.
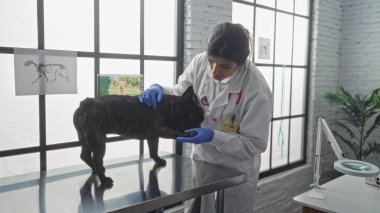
(234, 85)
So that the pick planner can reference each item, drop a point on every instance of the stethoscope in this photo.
(204, 101)
(231, 119)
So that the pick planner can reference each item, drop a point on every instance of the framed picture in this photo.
(115, 84)
(43, 72)
(264, 48)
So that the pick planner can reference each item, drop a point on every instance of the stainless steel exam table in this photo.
(139, 186)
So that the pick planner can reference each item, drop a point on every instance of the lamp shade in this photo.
(356, 168)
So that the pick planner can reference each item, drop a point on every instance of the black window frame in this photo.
(272, 65)
(43, 147)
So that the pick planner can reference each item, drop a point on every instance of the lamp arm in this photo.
(331, 139)
(343, 165)
(317, 158)
(324, 128)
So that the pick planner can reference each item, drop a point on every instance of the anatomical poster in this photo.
(41, 72)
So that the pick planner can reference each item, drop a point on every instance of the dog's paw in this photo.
(160, 162)
(190, 134)
(106, 182)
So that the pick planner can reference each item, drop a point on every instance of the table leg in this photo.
(195, 206)
(306, 209)
(220, 201)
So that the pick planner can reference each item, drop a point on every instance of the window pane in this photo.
(243, 14)
(71, 156)
(119, 66)
(302, 7)
(265, 157)
(280, 143)
(63, 158)
(165, 145)
(19, 164)
(269, 3)
(286, 5)
(300, 41)
(161, 72)
(60, 108)
(298, 91)
(284, 30)
(281, 92)
(264, 31)
(69, 25)
(122, 149)
(119, 26)
(160, 27)
(296, 139)
(18, 24)
(19, 117)
(268, 75)
(249, 1)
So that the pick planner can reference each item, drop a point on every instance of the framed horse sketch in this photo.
(41, 72)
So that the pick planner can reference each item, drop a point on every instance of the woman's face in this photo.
(221, 68)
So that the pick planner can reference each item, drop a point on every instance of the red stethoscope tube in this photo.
(236, 104)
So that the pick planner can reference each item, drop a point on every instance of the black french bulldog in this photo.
(126, 116)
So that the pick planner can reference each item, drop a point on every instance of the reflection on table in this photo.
(139, 186)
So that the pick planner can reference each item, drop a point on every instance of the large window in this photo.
(110, 37)
(280, 29)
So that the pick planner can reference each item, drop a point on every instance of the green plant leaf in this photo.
(377, 148)
(355, 114)
(375, 124)
(369, 149)
(348, 142)
(348, 130)
(374, 99)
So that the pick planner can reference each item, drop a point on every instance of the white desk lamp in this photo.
(343, 165)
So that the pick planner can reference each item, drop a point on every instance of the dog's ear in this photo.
(187, 95)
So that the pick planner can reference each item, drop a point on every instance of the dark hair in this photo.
(230, 41)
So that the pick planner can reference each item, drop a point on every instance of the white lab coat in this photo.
(239, 150)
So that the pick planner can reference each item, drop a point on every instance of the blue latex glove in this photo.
(151, 96)
(203, 135)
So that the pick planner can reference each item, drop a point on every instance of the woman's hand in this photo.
(151, 96)
(202, 135)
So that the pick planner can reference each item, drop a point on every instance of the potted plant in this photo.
(359, 117)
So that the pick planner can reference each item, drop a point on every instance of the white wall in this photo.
(360, 45)
(345, 52)
(360, 51)
(201, 16)
(324, 67)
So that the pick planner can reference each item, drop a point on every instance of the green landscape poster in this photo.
(114, 84)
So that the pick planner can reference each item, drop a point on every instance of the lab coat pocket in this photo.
(229, 123)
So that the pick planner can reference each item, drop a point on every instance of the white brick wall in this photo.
(201, 16)
(345, 52)
(324, 71)
(360, 52)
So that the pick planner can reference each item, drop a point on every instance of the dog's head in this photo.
(188, 112)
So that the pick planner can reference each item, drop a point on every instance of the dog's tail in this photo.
(88, 119)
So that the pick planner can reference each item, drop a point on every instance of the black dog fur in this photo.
(126, 116)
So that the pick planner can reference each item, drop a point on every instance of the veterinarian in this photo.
(237, 103)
